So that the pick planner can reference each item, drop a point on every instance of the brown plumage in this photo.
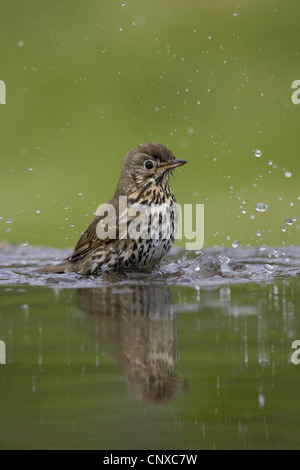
(144, 181)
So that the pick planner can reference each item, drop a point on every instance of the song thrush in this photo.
(120, 237)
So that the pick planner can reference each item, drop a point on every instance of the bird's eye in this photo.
(148, 164)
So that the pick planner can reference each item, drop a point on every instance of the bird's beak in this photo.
(172, 165)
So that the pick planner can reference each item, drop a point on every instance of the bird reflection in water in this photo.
(141, 323)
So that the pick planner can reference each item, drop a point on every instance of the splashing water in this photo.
(261, 207)
(19, 265)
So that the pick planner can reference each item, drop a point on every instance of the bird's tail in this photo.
(64, 267)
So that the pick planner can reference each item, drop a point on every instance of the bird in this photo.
(137, 227)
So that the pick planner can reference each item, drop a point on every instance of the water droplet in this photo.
(261, 207)
(235, 244)
(123, 4)
(287, 174)
(269, 268)
(30, 169)
(289, 221)
(20, 43)
(270, 162)
(79, 194)
(190, 130)
(9, 221)
(197, 268)
(283, 228)
(25, 243)
(258, 153)
(244, 211)
(258, 233)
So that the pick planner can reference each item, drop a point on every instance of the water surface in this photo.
(180, 358)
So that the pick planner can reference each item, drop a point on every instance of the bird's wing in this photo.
(104, 229)
(87, 242)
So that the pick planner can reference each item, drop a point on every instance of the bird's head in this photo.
(148, 165)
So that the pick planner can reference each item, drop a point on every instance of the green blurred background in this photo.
(87, 81)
